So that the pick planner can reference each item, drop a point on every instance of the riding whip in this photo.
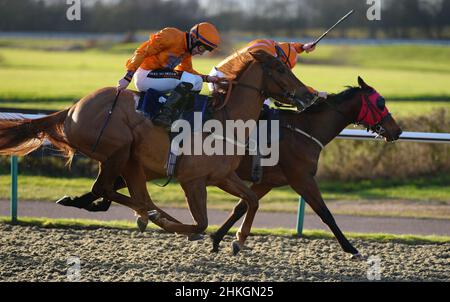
(331, 28)
(94, 147)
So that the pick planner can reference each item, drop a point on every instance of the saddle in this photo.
(150, 104)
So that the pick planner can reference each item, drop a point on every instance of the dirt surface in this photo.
(30, 253)
(358, 224)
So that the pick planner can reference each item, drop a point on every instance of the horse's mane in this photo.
(240, 61)
(335, 99)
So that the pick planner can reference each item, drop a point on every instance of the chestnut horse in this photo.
(299, 154)
(133, 148)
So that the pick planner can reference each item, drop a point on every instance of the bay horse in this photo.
(304, 137)
(133, 148)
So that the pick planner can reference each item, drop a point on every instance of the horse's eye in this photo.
(381, 102)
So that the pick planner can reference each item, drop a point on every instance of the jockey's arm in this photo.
(186, 65)
(155, 45)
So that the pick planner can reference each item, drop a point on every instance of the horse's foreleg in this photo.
(239, 210)
(307, 187)
(235, 186)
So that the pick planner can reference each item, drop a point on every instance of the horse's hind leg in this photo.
(136, 181)
(109, 171)
(239, 210)
(87, 200)
(195, 192)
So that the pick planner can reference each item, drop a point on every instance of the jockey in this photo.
(164, 63)
(286, 52)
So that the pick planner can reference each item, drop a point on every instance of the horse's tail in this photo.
(20, 137)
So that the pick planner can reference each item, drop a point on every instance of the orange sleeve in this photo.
(266, 45)
(186, 65)
(157, 43)
(298, 47)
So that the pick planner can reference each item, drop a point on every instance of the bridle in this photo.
(372, 114)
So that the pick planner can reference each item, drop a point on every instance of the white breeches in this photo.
(165, 81)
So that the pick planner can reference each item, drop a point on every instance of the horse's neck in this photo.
(330, 123)
(246, 103)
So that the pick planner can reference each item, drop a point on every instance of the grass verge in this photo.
(33, 187)
(308, 234)
(57, 78)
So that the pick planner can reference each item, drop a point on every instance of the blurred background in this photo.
(47, 62)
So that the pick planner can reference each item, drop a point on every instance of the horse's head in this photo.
(279, 82)
(374, 114)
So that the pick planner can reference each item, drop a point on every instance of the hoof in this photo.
(195, 237)
(153, 215)
(357, 256)
(141, 224)
(235, 247)
(215, 248)
(65, 201)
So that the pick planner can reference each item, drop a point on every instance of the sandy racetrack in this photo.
(30, 253)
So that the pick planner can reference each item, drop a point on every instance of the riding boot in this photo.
(306, 101)
(171, 109)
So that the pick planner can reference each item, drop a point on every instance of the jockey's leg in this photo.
(171, 109)
(180, 84)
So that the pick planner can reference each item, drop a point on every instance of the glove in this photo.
(125, 81)
(123, 84)
(210, 79)
(308, 47)
(322, 94)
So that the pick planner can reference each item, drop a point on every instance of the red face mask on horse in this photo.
(373, 110)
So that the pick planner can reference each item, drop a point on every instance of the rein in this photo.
(318, 142)
(292, 128)
(230, 88)
(237, 83)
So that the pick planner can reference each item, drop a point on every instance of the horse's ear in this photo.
(361, 83)
(260, 55)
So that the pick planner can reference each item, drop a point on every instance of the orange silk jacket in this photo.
(167, 49)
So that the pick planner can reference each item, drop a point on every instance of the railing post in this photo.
(300, 216)
(14, 171)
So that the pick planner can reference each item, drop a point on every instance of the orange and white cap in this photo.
(207, 34)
